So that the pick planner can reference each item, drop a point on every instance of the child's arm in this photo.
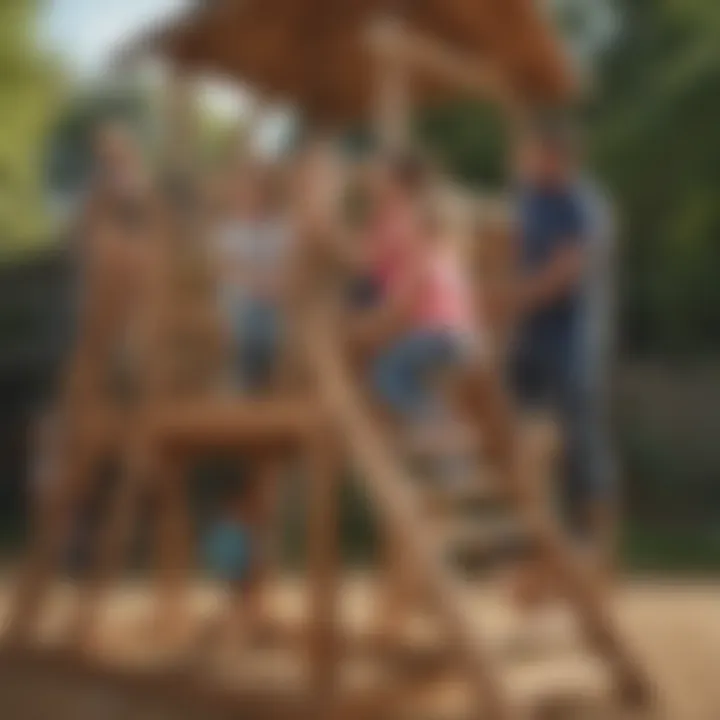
(378, 326)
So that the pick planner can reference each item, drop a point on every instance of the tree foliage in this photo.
(28, 90)
(658, 147)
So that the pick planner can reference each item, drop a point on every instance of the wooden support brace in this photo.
(174, 545)
(421, 53)
(324, 568)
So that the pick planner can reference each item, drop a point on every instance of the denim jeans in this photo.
(257, 332)
(588, 474)
(402, 374)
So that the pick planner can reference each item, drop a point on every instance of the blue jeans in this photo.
(402, 374)
(257, 333)
(553, 381)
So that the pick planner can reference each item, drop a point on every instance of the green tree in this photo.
(658, 147)
(28, 90)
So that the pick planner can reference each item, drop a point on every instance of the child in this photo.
(395, 187)
(232, 555)
(252, 246)
(440, 330)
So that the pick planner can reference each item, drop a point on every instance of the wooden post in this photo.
(51, 542)
(393, 118)
(392, 102)
(323, 560)
(173, 543)
(179, 122)
(80, 405)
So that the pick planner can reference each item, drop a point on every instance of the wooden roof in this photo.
(313, 52)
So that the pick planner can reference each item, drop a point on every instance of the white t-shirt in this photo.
(252, 256)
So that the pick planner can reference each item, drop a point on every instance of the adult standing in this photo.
(563, 297)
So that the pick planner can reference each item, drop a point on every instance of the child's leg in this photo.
(402, 374)
(259, 344)
(402, 377)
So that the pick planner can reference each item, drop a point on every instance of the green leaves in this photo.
(658, 147)
(28, 95)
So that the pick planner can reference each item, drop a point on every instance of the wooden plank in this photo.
(174, 690)
(324, 569)
(480, 536)
(469, 493)
(424, 54)
(393, 111)
(211, 424)
(174, 545)
(559, 683)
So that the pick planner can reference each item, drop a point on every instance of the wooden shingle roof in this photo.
(313, 52)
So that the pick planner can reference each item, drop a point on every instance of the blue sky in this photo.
(86, 32)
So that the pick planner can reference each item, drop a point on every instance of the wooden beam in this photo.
(217, 424)
(393, 112)
(324, 568)
(423, 54)
(174, 546)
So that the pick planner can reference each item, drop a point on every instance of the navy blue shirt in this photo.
(550, 219)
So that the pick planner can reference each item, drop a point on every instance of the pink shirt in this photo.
(445, 298)
(393, 235)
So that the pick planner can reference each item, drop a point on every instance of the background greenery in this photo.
(654, 142)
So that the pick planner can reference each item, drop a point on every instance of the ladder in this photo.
(498, 508)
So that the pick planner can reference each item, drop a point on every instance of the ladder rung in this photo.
(557, 684)
(465, 493)
(570, 684)
(212, 424)
(481, 536)
(461, 441)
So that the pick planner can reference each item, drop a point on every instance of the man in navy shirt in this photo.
(552, 367)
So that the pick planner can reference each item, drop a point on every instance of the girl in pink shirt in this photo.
(440, 324)
(389, 239)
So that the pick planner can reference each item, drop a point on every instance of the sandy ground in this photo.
(675, 628)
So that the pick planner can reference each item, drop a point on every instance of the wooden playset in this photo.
(340, 61)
